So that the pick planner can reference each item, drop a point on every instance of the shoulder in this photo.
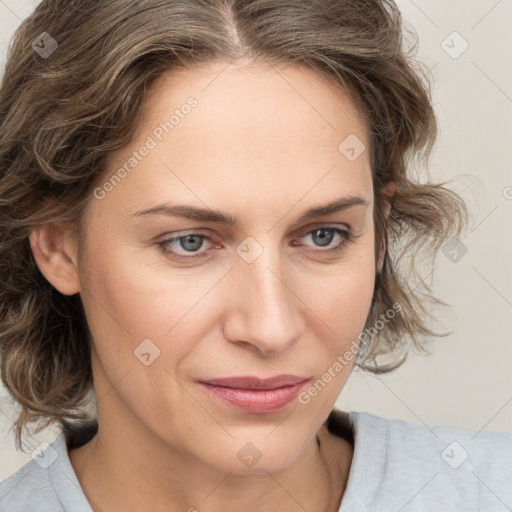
(454, 446)
(45, 483)
(364, 421)
(398, 462)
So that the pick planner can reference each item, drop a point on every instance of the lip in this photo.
(254, 394)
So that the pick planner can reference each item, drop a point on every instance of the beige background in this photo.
(467, 380)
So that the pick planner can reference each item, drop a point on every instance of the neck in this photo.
(315, 481)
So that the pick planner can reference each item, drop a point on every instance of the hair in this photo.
(61, 114)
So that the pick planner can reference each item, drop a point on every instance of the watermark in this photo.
(249, 249)
(44, 455)
(344, 359)
(152, 141)
(146, 352)
(454, 455)
(44, 45)
(249, 454)
(352, 147)
(454, 249)
(507, 193)
(454, 45)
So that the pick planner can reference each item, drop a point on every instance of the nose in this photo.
(263, 310)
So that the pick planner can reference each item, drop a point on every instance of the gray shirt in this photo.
(397, 466)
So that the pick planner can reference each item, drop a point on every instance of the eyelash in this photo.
(346, 235)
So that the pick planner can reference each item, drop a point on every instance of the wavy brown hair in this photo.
(61, 114)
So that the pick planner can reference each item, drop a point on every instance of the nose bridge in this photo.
(270, 295)
(266, 310)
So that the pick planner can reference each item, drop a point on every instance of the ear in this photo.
(389, 191)
(55, 255)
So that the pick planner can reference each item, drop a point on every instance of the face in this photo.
(175, 298)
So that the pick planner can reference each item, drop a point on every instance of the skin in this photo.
(262, 146)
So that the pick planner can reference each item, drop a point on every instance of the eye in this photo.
(323, 237)
(190, 243)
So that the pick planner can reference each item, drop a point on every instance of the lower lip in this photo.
(262, 401)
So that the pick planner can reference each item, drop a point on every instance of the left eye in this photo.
(192, 242)
(319, 234)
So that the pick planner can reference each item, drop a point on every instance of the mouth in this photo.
(254, 394)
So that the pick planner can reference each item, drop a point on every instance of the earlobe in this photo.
(55, 256)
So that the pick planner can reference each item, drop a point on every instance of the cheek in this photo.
(128, 304)
(340, 308)
(341, 294)
(130, 300)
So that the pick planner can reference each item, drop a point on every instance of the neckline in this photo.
(340, 423)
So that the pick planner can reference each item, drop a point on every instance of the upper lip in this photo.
(250, 382)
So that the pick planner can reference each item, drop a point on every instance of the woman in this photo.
(203, 207)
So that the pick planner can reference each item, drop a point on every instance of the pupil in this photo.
(191, 238)
(324, 240)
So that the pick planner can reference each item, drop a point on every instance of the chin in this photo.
(244, 456)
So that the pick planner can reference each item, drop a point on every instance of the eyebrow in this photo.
(218, 217)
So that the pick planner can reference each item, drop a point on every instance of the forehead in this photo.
(253, 129)
(264, 98)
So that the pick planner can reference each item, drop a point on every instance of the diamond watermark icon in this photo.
(454, 250)
(352, 147)
(249, 455)
(44, 45)
(454, 455)
(454, 45)
(249, 249)
(44, 455)
(146, 352)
